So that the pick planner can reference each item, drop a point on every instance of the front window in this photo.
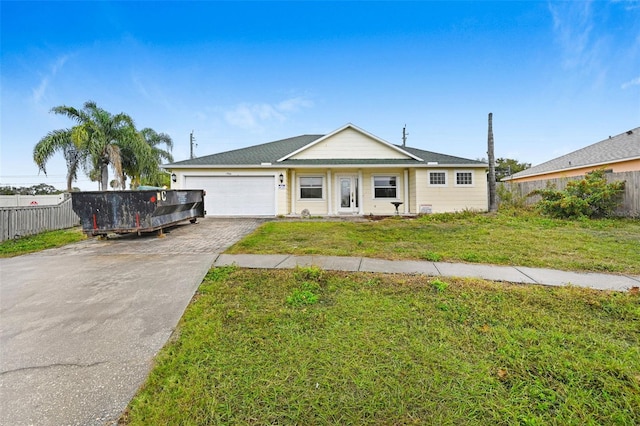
(464, 178)
(385, 186)
(311, 187)
(437, 178)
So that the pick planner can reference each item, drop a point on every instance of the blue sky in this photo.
(557, 76)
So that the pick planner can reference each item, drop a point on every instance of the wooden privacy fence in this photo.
(630, 206)
(18, 222)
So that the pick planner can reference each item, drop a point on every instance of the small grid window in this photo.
(385, 187)
(464, 178)
(311, 187)
(437, 178)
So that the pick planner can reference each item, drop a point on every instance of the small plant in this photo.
(373, 282)
(305, 294)
(509, 197)
(305, 273)
(431, 256)
(301, 297)
(471, 257)
(439, 285)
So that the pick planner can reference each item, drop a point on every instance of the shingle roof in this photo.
(253, 155)
(614, 149)
(272, 151)
(430, 157)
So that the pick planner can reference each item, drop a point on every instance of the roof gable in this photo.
(350, 142)
(625, 146)
(372, 151)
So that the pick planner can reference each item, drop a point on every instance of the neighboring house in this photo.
(348, 171)
(617, 154)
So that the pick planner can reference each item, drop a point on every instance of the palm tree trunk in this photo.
(104, 176)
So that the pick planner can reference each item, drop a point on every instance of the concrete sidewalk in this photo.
(514, 274)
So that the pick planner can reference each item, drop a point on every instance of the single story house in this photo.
(617, 154)
(348, 171)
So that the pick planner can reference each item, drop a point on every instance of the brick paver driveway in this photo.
(80, 325)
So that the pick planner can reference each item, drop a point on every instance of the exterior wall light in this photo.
(174, 178)
(281, 178)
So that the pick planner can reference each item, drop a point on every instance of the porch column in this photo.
(406, 191)
(329, 194)
(292, 192)
(360, 193)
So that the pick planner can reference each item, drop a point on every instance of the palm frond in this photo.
(53, 142)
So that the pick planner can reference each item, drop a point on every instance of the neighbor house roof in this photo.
(277, 153)
(623, 147)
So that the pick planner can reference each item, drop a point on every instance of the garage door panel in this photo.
(236, 195)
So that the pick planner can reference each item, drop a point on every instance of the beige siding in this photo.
(381, 206)
(316, 206)
(413, 194)
(350, 144)
(451, 198)
(442, 199)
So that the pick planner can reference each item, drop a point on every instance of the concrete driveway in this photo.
(80, 325)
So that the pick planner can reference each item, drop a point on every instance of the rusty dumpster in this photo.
(121, 212)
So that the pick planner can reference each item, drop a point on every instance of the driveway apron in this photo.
(80, 325)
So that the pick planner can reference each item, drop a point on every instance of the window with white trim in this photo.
(438, 178)
(385, 187)
(311, 187)
(464, 178)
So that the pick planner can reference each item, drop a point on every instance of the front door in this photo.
(348, 194)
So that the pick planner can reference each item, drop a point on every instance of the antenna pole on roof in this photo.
(404, 136)
(191, 143)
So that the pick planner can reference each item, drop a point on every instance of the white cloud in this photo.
(573, 26)
(151, 91)
(253, 116)
(634, 82)
(629, 4)
(294, 104)
(39, 91)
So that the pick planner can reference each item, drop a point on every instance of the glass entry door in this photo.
(348, 194)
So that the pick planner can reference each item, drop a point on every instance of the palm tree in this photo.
(146, 168)
(98, 138)
(59, 140)
(159, 155)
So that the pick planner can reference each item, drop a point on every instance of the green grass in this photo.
(393, 349)
(40, 242)
(508, 238)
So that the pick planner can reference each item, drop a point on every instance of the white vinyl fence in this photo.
(630, 206)
(16, 222)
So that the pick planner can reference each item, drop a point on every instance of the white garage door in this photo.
(236, 195)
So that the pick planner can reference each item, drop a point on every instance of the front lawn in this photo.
(507, 238)
(312, 347)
